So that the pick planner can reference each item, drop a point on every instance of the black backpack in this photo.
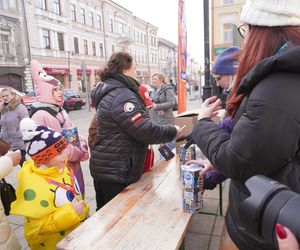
(52, 112)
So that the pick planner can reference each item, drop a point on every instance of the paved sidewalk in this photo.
(204, 231)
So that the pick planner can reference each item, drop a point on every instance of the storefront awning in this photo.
(56, 71)
(87, 71)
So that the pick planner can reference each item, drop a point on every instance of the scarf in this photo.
(132, 84)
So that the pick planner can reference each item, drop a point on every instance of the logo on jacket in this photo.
(128, 107)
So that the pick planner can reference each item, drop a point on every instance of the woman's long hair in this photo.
(117, 63)
(262, 42)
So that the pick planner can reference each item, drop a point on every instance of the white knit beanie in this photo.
(271, 12)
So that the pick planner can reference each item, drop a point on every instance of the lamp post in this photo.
(69, 70)
(207, 88)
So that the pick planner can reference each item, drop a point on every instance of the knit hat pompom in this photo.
(227, 62)
(43, 143)
(271, 12)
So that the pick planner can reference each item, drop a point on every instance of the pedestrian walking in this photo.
(12, 112)
(263, 104)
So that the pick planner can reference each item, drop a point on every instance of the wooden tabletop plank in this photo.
(133, 219)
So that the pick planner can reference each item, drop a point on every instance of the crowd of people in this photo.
(259, 134)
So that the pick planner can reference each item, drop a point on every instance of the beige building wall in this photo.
(64, 35)
(225, 17)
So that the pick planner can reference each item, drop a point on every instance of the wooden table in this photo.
(146, 215)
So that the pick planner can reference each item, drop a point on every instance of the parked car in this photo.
(73, 100)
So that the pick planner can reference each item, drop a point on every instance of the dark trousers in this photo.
(106, 192)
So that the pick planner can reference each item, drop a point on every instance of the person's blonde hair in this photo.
(161, 77)
(8, 90)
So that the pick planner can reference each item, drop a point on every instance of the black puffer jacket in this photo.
(265, 138)
(124, 132)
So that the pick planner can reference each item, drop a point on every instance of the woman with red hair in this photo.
(264, 105)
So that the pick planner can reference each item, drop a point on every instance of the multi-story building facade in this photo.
(68, 36)
(225, 18)
(14, 46)
(167, 57)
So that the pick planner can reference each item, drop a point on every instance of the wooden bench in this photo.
(146, 215)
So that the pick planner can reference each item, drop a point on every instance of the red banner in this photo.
(182, 57)
(56, 71)
(87, 72)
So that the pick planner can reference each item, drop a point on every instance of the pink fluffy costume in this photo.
(48, 111)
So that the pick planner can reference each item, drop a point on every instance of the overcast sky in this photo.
(164, 15)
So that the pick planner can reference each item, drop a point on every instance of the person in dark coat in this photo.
(264, 105)
(125, 130)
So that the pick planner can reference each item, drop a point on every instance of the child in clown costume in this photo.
(48, 195)
(48, 111)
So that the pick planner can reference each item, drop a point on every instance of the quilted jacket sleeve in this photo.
(170, 100)
(129, 114)
(257, 145)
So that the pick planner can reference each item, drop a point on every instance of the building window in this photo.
(41, 4)
(73, 12)
(60, 40)
(94, 48)
(101, 50)
(91, 17)
(111, 25)
(228, 2)
(113, 48)
(56, 5)
(85, 47)
(1, 4)
(99, 22)
(76, 46)
(145, 40)
(82, 15)
(46, 39)
(227, 33)
(5, 43)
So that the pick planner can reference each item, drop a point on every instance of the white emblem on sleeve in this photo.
(128, 107)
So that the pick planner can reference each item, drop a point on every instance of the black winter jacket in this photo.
(265, 138)
(124, 131)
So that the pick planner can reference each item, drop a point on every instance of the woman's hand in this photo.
(15, 157)
(210, 107)
(286, 239)
(205, 163)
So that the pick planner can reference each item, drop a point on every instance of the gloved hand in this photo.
(188, 138)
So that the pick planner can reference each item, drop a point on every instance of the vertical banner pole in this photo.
(182, 57)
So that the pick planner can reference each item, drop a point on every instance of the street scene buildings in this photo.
(69, 36)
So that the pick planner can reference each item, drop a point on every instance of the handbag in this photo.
(4, 147)
(149, 162)
(8, 195)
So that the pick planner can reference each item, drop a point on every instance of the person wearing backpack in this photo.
(49, 111)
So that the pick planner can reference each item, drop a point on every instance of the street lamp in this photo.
(69, 70)
(207, 88)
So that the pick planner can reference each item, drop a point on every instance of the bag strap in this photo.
(4, 181)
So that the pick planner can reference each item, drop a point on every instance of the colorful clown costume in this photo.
(44, 198)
